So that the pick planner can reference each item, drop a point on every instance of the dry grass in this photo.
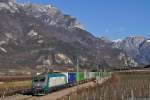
(14, 78)
(11, 88)
(13, 85)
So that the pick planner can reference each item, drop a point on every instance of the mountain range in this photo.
(33, 35)
(137, 47)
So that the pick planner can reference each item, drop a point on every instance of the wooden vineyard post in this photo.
(4, 94)
(132, 95)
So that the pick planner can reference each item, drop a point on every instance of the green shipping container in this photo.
(101, 74)
(80, 76)
(105, 74)
(92, 74)
(97, 74)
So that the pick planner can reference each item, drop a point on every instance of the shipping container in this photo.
(92, 75)
(86, 75)
(101, 74)
(71, 77)
(96, 74)
(105, 74)
(80, 76)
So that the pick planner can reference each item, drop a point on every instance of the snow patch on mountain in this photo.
(10, 6)
(117, 40)
(148, 41)
(4, 50)
(2, 42)
(51, 15)
(32, 33)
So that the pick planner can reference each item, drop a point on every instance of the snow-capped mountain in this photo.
(136, 47)
(47, 13)
(117, 40)
(145, 51)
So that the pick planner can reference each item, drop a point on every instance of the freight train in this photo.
(46, 83)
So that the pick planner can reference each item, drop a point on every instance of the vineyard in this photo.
(122, 86)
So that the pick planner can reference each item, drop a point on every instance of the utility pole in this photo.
(77, 65)
(77, 71)
(77, 75)
(97, 54)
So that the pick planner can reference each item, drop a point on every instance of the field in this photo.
(122, 86)
(14, 84)
(14, 78)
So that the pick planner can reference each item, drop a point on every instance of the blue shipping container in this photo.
(71, 78)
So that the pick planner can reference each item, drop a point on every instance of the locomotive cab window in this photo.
(39, 79)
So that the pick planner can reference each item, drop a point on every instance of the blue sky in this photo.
(109, 18)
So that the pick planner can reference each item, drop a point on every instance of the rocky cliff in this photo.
(136, 47)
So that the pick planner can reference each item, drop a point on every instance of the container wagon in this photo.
(71, 78)
(45, 83)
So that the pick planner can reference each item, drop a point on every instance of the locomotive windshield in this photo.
(39, 79)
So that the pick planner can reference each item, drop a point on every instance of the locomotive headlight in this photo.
(38, 84)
